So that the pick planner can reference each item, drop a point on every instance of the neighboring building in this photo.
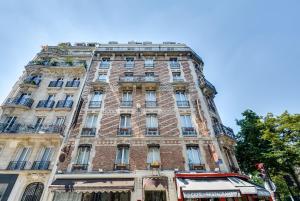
(143, 126)
(36, 116)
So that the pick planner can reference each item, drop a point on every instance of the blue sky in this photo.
(251, 49)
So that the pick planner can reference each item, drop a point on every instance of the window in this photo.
(181, 99)
(33, 192)
(23, 98)
(126, 99)
(228, 156)
(174, 63)
(105, 63)
(149, 63)
(153, 157)
(125, 121)
(149, 74)
(187, 126)
(39, 124)
(122, 155)
(9, 123)
(2, 190)
(151, 99)
(177, 76)
(23, 154)
(91, 121)
(59, 121)
(193, 155)
(102, 77)
(129, 62)
(96, 99)
(151, 121)
(20, 160)
(83, 154)
(43, 160)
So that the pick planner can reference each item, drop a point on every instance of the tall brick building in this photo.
(142, 123)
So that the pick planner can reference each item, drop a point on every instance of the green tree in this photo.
(283, 133)
(272, 140)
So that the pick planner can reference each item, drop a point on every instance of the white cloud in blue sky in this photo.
(251, 49)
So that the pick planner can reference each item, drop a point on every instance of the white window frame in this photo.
(151, 121)
(86, 154)
(91, 120)
(194, 153)
(127, 121)
(123, 158)
(153, 154)
(186, 120)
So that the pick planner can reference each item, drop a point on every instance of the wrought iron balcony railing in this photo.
(45, 104)
(151, 103)
(149, 65)
(16, 165)
(188, 131)
(40, 165)
(121, 166)
(88, 131)
(56, 83)
(64, 104)
(31, 129)
(32, 81)
(207, 87)
(73, 83)
(27, 102)
(95, 104)
(152, 131)
(139, 79)
(79, 167)
(178, 79)
(183, 103)
(126, 103)
(124, 131)
(220, 129)
(47, 63)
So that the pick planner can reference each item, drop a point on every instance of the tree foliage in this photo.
(272, 140)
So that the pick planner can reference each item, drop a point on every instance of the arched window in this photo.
(33, 192)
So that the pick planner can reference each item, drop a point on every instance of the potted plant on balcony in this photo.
(69, 61)
(155, 164)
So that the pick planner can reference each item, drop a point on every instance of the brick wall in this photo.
(104, 157)
(171, 157)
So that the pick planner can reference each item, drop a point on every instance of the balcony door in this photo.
(151, 96)
(125, 121)
(39, 124)
(122, 155)
(23, 97)
(9, 123)
(186, 121)
(193, 155)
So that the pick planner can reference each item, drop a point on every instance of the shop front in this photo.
(155, 188)
(110, 189)
(218, 187)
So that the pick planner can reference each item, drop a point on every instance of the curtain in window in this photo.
(180, 96)
(122, 155)
(186, 121)
(193, 155)
(127, 96)
(46, 154)
(83, 155)
(152, 121)
(153, 155)
(125, 121)
(97, 96)
(91, 121)
(70, 196)
(23, 154)
(150, 96)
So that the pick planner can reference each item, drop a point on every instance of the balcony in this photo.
(16, 165)
(80, 167)
(194, 166)
(56, 84)
(152, 131)
(24, 103)
(207, 87)
(151, 103)
(88, 132)
(188, 131)
(64, 104)
(73, 83)
(104, 65)
(31, 82)
(126, 103)
(129, 65)
(221, 130)
(121, 166)
(45, 104)
(95, 104)
(178, 79)
(40, 165)
(139, 80)
(31, 129)
(174, 65)
(183, 103)
(57, 65)
(124, 132)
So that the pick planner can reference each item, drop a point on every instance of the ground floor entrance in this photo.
(155, 196)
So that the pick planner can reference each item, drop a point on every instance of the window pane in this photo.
(193, 155)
